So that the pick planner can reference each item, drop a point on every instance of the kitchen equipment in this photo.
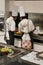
(40, 55)
(15, 51)
(1, 22)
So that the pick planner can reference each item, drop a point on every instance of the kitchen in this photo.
(35, 11)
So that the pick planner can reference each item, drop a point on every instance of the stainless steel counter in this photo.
(38, 37)
(5, 60)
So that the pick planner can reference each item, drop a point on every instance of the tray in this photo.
(40, 55)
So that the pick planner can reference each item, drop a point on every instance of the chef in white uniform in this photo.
(10, 27)
(25, 26)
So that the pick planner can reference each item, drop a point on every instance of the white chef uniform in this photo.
(11, 24)
(7, 29)
(25, 26)
(10, 27)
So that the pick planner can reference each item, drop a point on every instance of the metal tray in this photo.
(16, 51)
(40, 55)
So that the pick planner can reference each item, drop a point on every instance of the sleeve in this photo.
(31, 26)
(13, 26)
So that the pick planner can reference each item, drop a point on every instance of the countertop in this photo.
(38, 36)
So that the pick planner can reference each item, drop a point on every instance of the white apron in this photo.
(26, 41)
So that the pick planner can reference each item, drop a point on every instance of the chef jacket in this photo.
(26, 26)
(10, 26)
(23, 26)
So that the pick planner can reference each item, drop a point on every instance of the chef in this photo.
(10, 27)
(25, 26)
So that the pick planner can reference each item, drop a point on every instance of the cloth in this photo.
(7, 35)
(10, 26)
(26, 37)
(23, 26)
(26, 44)
(26, 26)
(26, 41)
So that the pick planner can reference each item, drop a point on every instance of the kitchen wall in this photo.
(6, 8)
(2, 6)
(29, 6)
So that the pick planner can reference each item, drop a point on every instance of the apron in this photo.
(26, 43)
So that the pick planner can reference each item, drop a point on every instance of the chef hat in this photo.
(15, 10)
(21, 11)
